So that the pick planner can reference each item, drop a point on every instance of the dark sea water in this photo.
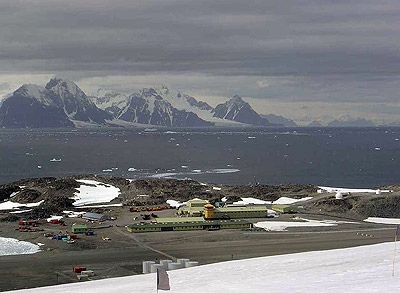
(340, 157)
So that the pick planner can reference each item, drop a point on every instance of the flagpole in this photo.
(394, 254)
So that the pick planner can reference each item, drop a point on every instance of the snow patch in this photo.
(344, 190)
(11, 246)
(389, 221)
(10, 205)
(288, 200)
(249, 200)
(54, 218)
(92, 192)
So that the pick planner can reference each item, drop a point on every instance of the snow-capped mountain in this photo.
(109, 101)
(149, 107)
(77, 106)
(57, 105)
(240, 111)
(61, 103)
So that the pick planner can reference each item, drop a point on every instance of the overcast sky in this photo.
(302, 59)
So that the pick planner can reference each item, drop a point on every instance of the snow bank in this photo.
(20, 211)
(344, 190)
(288, 200)
(390, 221)
(95, 192)
(11, 246)
(54, 218)
(281, 226)
(358, 269)
(175, 203)
(101, 206)
(250, 200)
(10, 205)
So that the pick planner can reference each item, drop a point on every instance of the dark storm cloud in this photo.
(324, 45)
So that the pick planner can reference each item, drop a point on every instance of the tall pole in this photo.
(394, 254)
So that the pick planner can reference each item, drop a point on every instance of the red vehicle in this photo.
(73, 236)
(79, 269)
(55, 221)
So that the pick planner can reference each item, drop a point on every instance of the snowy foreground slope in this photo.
(358, 269)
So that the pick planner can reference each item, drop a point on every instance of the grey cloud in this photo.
(335, 51)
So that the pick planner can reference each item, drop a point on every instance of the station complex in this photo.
(200, 215)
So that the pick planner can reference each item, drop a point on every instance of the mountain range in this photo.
(61, 103)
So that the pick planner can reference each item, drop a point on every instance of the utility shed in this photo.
(284, 208)
(95, 217)
(79, 229)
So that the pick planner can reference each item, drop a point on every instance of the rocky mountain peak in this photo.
(236, 109)
(64, 87)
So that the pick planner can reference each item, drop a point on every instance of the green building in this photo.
(185, 224)
(193, 208)
(200, 208)
(79, 229)
(284, 208)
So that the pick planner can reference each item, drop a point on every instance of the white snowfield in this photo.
(344, 190)
(94, 192)
(11, 246)
(390, 221)
(282, 226)
(10, 205)
(360, 269)
(288, 200)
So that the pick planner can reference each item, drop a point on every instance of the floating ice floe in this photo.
(11, 246)
(55, 160)
(389, 221)
(10, 205)
(107, 170)
(131, 169)
(288, 200)
(39, 167)
(223, 171)
(92, 192)
(346, 190)
(377, 149)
